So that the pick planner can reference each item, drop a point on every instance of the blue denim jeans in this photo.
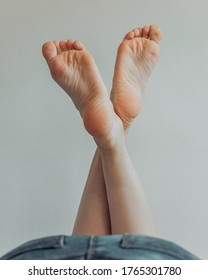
(103, 247)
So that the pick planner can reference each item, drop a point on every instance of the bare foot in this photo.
(74, 69)
(136, 58)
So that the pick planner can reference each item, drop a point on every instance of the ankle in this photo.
(113, 140)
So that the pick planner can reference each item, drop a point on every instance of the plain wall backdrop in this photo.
(45, 152)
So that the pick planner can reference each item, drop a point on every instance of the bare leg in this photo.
(129, 210)
(127, 113)
(73, 68)
(136, 58)
(93, 215)
(137, 54)
(128, 109)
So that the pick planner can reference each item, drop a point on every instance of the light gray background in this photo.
(44, 151)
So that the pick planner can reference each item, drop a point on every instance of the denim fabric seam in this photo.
(62, 241)
(90, 250)
(125, 242)
(29, 246)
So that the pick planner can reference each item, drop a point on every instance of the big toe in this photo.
(49, 50)
(155, 33)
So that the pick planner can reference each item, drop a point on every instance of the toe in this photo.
(140, 31)
(129, 35)
(156, 33)
(70, 44)
(136, 32)
(145, 31)
(49, 50)
(63, 46)
(78, 46)
(74, 45)
(57, 45)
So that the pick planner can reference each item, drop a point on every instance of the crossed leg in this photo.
(73, 68)
(113, 200)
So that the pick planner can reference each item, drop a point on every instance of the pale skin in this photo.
(113, 200)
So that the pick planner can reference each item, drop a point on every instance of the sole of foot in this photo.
(74, 69)
(136, 58)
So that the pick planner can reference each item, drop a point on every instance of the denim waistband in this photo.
(123, 246)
